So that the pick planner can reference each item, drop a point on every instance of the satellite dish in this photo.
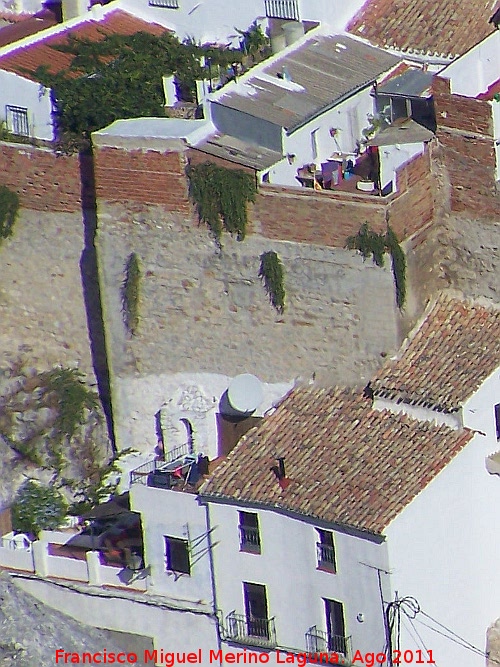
(245, 393)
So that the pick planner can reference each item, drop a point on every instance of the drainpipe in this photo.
(212, 574)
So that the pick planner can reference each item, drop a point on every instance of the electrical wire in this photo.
(409, 607)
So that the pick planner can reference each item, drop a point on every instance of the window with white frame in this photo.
(497, 420)
(17, 120)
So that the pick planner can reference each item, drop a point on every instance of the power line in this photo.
(409, 607)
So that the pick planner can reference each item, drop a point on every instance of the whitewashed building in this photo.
(444, 545)
(26, 105)
(476, 74)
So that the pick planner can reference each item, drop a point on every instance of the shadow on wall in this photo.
(91, 289)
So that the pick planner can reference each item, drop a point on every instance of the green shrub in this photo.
(37, 507)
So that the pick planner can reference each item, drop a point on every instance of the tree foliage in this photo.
(37, 507)
(120, 76)
(117, 77)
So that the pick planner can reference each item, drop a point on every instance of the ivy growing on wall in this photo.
(9, 207)
(370, 243)
(121, 76)
(66, 391)
(221, 196)
(131, 293)
(273, 276)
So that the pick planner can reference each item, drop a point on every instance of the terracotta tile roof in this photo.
(27, 26)
(348, 463)
(456, 347)
(28, 58)
(449, 28)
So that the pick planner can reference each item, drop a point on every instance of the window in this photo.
(256, 610)
(249, 532)
(17, 120)
(314, 144)
(325, 551)
(177, 555)
(497, 420)
(335, 626)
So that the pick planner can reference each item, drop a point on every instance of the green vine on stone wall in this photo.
(370, 243)
(131, 293)
(72, 399)
(9, 207)
(221, 196)
(272, 273)
(398, 265)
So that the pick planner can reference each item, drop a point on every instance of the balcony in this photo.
(250, 631)
(282, 9)
(140, 475)
(250, 539)
(326, 557)
(318, 641)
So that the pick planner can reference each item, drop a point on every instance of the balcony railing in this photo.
(326, 556)
(282, 9)
(318, 641)
(251, 631)
(249, 539)
(140, 474)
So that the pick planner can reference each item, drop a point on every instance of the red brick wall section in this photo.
(145, 177)
(44, 181)
(460, 113)
(470, 164)
(413, 207)
(326, 218)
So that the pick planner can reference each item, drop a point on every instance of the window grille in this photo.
(167, 4)
(17, 120)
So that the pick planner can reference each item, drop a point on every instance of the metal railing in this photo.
(251, 631)
(326, 556)
(249, 539)
(282, 9)
(140, 474)
(319, 641)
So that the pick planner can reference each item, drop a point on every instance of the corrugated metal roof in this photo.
(26, 59)
(239, 152)
(402, 131)
(412, 83)
(322, 71)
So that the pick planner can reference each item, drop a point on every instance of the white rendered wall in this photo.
(174, 514)
(337, 13)
(444, 547)
(393, 158)
(20, 92)
(348, 118)
(141, 398)
(287, 566)
(476, 70)
(208, 21)
(172, 629)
